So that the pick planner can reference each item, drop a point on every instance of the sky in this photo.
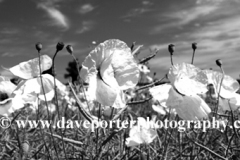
(213, 24)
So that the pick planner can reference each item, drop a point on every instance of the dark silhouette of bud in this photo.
(194, 46)
(171, 48)
(133, 45)
(38, 46)
(219, 62)
(69, 49)
(60, 46)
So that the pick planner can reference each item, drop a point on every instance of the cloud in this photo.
(144, 7)
(183, 17)
(86, 8)
(9, 54)
(209, 1)
(136, 12)
(58, 18)
(9, 31)
(86, 26)
(147, 3)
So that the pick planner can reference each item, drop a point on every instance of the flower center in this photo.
(3, 96)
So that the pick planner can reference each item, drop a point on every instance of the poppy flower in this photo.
(7, 102)
(30, 87)
(182, 94)
(142, 133)
(228, 91)
(29, 71)
(109, 69)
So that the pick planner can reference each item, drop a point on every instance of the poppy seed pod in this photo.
(38, 46)
(171, 48)
(194, 46)
(133, 45)
(219, 62)
(60, 46)
(69, 49)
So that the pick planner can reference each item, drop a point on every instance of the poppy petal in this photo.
(30, 69)
(229, 84)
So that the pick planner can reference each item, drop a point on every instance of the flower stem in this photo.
(216, 110)
(56, 98)
(40, 70)
(171, 60)
(193, 56)
(54, 79)
(78, 66)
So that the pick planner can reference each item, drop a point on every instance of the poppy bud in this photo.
(194, 46)
(219, 62)
(38, 46)
(60, 46)
(171, 48)
(69, 49)
(133, 45)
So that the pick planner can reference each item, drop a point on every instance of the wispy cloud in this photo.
(9, 54)
(9, 31)
(86, 8)
(183, 17)
(136, 12)
(58, 18)
(144, 7)
(147, 3)
(85, 27)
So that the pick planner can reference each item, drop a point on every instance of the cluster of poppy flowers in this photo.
(110, 69)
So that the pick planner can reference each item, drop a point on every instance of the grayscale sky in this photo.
(213, 24)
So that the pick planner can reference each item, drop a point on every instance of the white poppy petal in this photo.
(10, 105)
(189, 87)
(134, 137)
(193, 108)
(34, 87)
(229, 84)
(107, 73)
(160, 92)
(88, 67)
(235, 99)
(133, 141)
(141, 133)
(188, 79)
(125, 68)
(149, 135)
(7, 87)
(101, 92)
(174, 99)
(5, 107)
(120, 58)
(159, 109)
(187, 70)
(30, 69)
(120, 101)
(230, 104)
